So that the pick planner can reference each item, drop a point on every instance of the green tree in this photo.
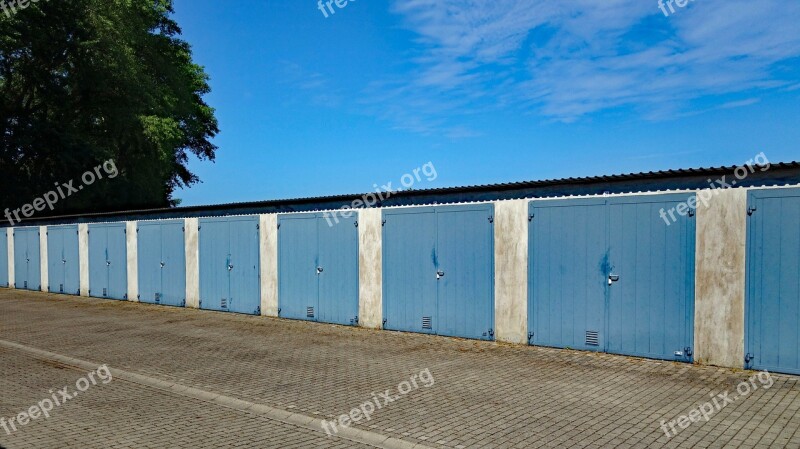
(87, 81)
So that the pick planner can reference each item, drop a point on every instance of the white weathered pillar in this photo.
(720, 277)
(132, 247)
(511, 271)
(83, 257)
(11, 272)
(370, 268)
(191, 226)
(43, 261)
(268, 254)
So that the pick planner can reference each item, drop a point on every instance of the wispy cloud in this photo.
(566, 60)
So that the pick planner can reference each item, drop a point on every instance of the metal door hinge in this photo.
(383, 223)
(491, 219)
(356, 224)
(749, 358)
(692, 212)
(530, 337)
(530, 217)
(384, 322)
(751, 210)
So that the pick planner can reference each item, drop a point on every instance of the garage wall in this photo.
(719, 309)
(720, 278)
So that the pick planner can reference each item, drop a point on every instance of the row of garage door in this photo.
(605, 274)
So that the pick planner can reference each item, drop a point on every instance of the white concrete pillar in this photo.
(132, 247)
(720, 277)
(11, 272)
(43, 261)
(191, 234)
(370, 268)
(268, 254)
(511, 271)
(83, 257)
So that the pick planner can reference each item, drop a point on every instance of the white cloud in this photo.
(569, 59)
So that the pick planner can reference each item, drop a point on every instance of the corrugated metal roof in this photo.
(501, 187)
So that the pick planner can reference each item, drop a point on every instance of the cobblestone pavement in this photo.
(484, 394)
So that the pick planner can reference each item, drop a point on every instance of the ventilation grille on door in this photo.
(105, 292)
(427, 322)
(157, 297)
(592, 338)
(310, 312)
(223, 303)
(61, 288)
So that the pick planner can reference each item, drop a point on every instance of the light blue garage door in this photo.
(318, 268)
(612, 275)
(27, 265)
(162, 263)
(63, 264)
(438, 268)
(108, 261)
(4, 281)
(773, 281)
(229, 265)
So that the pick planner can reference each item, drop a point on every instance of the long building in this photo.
(696, 265)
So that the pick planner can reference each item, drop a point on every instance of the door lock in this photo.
(613, 278)
(439, 274)
(230, 267)
(319, 270)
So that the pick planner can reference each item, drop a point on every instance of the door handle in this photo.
(439, 274)
(613, 278)
(319, 270)
(230, 267)
(162, 264)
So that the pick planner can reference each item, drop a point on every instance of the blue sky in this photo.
(488, 91)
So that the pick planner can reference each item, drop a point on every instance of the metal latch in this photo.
(613, 278)
(439, 274)
(319, 270)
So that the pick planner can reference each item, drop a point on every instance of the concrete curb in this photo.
(315, 424)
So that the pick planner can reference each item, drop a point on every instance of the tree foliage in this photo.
(87, 81)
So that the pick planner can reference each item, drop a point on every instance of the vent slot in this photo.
(427, 323)
(61, 288)
(592, 338)
(105, 292)
(310, 312)
(223, 303)
(157, 297)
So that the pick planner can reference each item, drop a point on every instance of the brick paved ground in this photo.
(485, 394)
